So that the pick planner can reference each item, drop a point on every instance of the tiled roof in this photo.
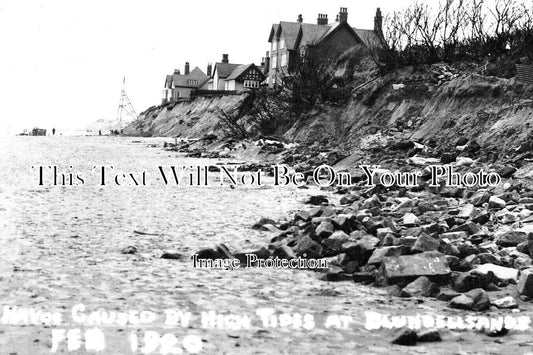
(238, 71)
(313, 33)
(195, 74)
(302, 34)
(369, 37)
(225, 69)
(289, 31)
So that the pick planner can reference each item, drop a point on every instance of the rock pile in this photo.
(455, 244)
(443, 73)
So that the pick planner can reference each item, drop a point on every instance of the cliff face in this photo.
(496, 112)
(187, 119)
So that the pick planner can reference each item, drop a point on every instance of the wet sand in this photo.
(61, 246)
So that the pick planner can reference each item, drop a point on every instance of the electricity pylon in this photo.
(125, 108)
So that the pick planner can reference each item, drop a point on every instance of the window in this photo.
(282, 44)
(274, 62)
(251, 84)
(284, 60)
(192, 82)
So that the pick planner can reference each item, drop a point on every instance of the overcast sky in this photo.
(62, 61)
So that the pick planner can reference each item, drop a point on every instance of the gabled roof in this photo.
(298, 34)
(195, 74)
(369, 37)
(241, 70)
(225, 69)
(289, 31)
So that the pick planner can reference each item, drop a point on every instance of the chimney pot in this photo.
(343, 14)
(322, 19)
(300, 18)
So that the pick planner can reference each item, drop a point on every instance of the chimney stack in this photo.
(225, 58)
(209, 69)
(300, 18)
(378, 22)
(267, 62)
(186, 68)
(322, 19)
(343, 15)
(177, 71)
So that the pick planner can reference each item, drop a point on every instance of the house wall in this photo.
(338, 43)
(181, 92)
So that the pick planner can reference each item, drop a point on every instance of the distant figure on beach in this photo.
(100, 132)
(53, 131)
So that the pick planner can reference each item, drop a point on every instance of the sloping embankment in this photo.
(187, 119)
(497, 113)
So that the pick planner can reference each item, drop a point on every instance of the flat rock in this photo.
(500, 272)
(409, 267)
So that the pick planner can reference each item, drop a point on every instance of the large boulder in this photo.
(406, 268)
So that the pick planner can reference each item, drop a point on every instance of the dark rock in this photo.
(363, 277)
(307, 248)
(317, 200)
(461, 141)
(506, 172)
(511, 239)
(447, 295)
(129, 250)
(429, 336)
(481, 299)
(348, 199)
(283, 252)
(525, 283)
(425, 243)
(480, 197)
(466, 281)
(447, 158)
(403, 336)
(336, 240)
(172, 256)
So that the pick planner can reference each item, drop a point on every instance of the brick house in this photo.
(286, 38)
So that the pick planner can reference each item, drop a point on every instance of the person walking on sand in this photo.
(53, 131)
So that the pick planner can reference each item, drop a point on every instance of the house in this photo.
(233, 77)
(288, 38)
(179, 86)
